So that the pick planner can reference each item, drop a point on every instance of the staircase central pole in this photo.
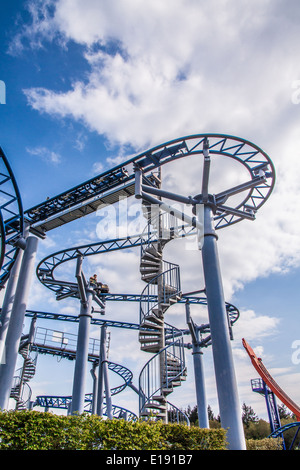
(161, 300)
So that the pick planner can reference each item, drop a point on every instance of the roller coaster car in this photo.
(104, 289)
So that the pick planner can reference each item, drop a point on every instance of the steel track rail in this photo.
(109, 186)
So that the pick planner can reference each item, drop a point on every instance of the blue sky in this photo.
(88, 84)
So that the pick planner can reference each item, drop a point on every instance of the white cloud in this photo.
(45, 154)
(255, 326)
(168, 71)
(97, 168)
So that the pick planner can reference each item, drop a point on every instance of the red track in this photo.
(268, 379)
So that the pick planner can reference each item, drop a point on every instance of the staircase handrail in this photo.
(155, 387)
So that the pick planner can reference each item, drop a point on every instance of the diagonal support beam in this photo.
(180, 215)
(80, 280)
(168, 195)
(237, 212)
(224, 195)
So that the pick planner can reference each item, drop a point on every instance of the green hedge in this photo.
(264, 444)
(33, 430)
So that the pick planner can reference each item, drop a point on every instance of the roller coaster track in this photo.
(60, 402)
(272, 384)
(280, 432)
(110, 186)
(233, 315)
(46, 274)
(11, 219)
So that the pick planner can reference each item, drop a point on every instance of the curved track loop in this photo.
(268, 379)
(11, 218)
(280, 432)
(118, 182)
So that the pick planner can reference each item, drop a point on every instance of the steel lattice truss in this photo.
(11, 218)
(118, 182)
(64, 403)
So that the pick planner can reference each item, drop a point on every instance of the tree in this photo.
(248, 415)
(211, 415)
(257, 430)
(283, 412)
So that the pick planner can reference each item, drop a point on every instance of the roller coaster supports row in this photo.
(14, 330)
(222, 354)
(198, 371)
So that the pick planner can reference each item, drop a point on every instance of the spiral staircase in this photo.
(166, 369)
(21, 390)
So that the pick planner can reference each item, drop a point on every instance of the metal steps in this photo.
(21, 391)
(166, 369)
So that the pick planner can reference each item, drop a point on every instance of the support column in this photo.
(103, 379)
(198, 371)
(17, 317)
(82, 351)
(8, 303)
(200, 389)
(107, 391)
(229, 405)
(95, 376)
(100, 377)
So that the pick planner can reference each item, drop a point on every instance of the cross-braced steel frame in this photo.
(11, 219)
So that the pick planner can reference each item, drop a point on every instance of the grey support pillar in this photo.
(107, 391)
(200, 389)
(8, 303)
(17, 316)
(82, 351)
(229, 406)
(102, 357)
(103, 378)
(198, 371)
(95, 377)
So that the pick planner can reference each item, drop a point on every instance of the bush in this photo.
(33, 430)
(264, 444)
(181, 437)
